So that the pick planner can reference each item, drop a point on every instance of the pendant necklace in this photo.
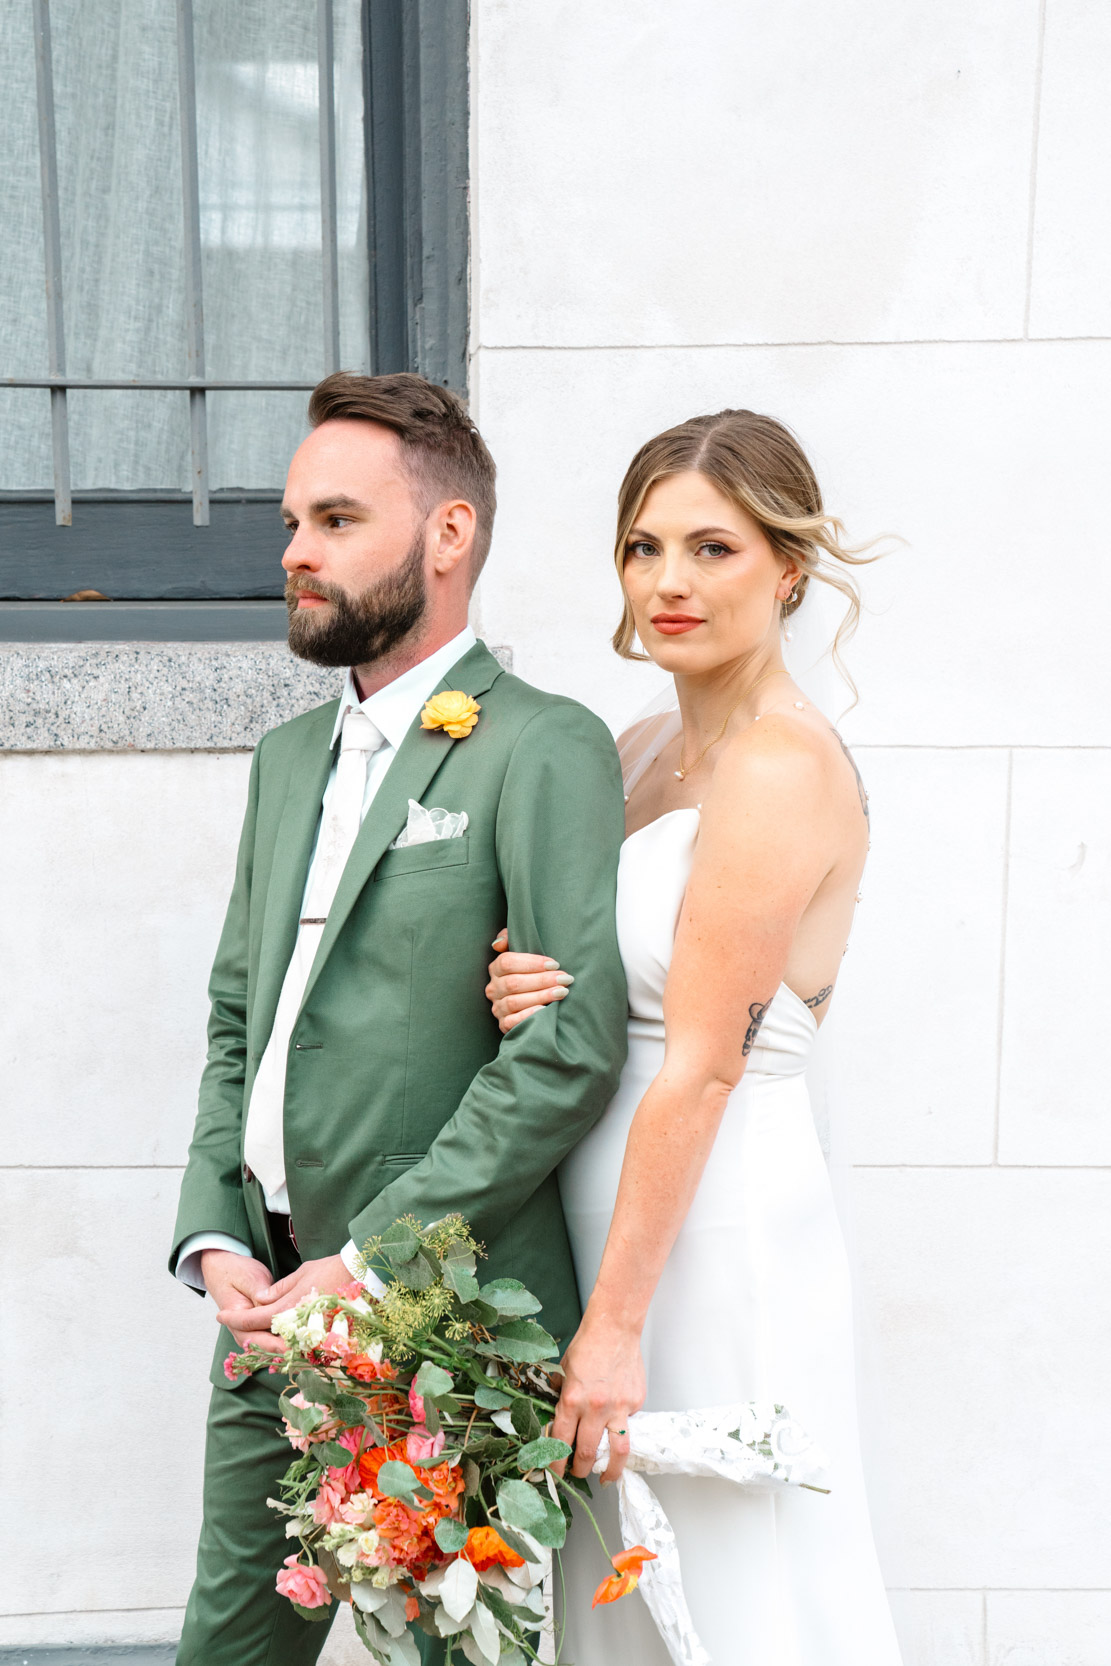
(681, 773)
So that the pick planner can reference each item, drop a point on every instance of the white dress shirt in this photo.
(394, 709)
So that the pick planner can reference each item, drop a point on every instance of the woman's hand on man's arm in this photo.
(520, 984)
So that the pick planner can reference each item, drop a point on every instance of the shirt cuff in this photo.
(367, 1277)
(188, 1268)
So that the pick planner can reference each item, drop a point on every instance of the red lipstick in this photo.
(674, 624)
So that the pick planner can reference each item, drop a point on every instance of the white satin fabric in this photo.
(753, 1304)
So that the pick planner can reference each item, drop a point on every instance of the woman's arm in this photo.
(762, 852)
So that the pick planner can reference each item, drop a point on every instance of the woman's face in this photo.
(702, 579)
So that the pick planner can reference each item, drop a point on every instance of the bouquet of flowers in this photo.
(422, 1489)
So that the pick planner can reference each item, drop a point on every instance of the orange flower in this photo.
(632, 1561)
(630, 1566)
(446, 1482)
(371, 1461)
(365, 1370)
(412, 1608)
(486, 1548)
(617, 1585)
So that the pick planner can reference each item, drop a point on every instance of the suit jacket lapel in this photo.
(300, 817)
(419, 757)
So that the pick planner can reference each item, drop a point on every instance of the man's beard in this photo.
(357, 630)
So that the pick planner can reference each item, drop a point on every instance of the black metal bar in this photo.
(52, 252)
(194, 285)
(383, 57)
(144, 494)
(142, 551)
(415, 53)
(329, 231)
(155, 384)
(438, 192)
(224, 621)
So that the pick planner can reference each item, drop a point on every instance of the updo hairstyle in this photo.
(758, 464)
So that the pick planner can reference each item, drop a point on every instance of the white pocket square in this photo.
(425, 825)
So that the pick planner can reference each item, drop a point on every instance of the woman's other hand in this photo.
(520, 984)
(603, 1384)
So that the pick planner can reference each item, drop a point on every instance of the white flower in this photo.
(788, 1440)
(285, 1324)
(340, 1326)
(360, 1506)
(314, 1330)
(366, 1544)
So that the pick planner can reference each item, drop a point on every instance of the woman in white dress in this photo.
(707, 1248)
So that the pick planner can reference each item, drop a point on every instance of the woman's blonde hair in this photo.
(760, 466)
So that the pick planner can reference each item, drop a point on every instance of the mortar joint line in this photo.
(1004, 906)
(1034, 144)
(984, 1625)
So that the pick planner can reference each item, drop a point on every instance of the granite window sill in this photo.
(155, 696)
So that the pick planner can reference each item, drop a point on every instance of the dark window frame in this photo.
(203, 566)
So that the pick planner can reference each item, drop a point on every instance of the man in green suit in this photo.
(355, 1072)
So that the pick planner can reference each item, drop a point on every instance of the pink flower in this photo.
(336, 1342)
(296, 1439)
(306, 1586)
(348, 1476)
(231, 1367)
(330, 1495)
(416, 1405)
(351, 1292)
(420, 1444)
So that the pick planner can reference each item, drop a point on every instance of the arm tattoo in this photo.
(757, 1012)
(822, 995)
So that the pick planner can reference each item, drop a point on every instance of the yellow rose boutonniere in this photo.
(455, 713)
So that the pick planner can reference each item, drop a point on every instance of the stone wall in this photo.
(889, 226)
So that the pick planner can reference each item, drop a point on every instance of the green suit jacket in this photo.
(402, 1097)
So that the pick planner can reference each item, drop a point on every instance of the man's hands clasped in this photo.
(248, 1299)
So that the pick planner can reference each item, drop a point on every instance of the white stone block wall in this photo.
(889, 226)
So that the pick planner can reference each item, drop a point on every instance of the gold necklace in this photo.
(681, 773)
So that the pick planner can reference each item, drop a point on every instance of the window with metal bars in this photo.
(210, 207)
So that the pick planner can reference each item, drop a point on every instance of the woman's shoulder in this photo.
(783, 755)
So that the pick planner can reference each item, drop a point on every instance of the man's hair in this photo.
(444, 454)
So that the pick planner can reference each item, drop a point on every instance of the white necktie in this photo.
(264, 1142)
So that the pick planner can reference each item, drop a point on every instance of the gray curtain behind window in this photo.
(119, 166)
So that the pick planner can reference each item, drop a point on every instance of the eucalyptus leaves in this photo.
(423, 1489)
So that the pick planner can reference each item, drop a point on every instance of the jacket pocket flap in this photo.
(437, 853)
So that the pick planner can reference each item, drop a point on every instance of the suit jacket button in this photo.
(247, 1175)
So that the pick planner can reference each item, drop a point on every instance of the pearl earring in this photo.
(788, 634)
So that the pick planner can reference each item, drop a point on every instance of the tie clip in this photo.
(312, 922)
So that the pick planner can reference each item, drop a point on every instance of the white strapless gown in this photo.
(754, 1304)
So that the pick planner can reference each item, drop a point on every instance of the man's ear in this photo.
(451, 530)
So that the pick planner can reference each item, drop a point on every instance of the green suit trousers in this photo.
(235, 1616)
